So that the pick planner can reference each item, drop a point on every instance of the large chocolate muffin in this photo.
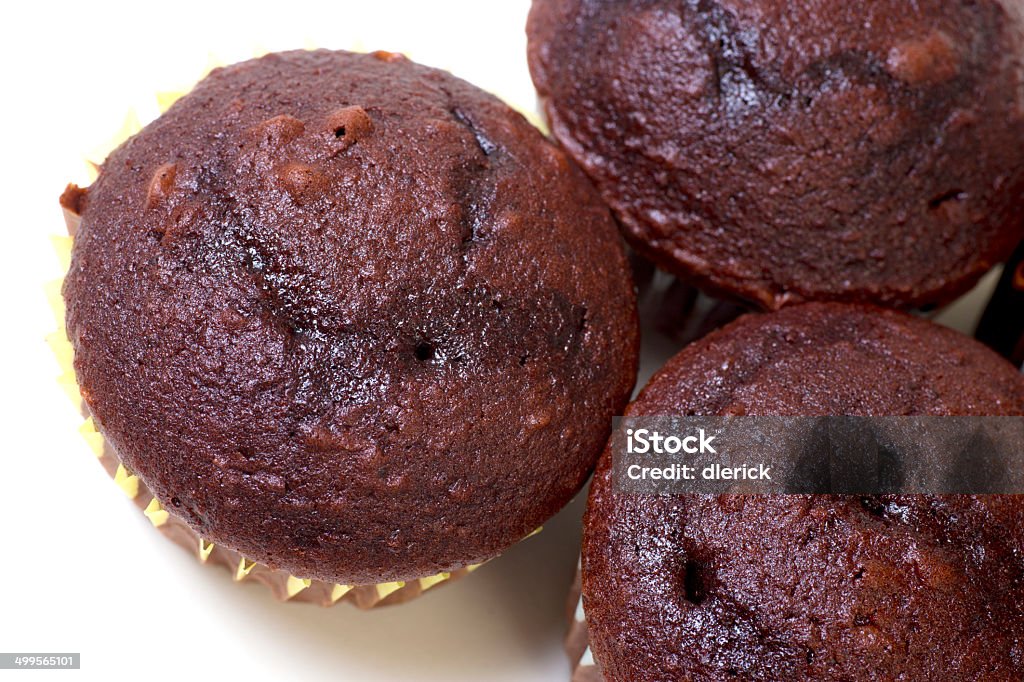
(812, 587)
(786, 151)
(350, 316)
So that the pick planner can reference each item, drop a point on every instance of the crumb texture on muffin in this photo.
(812, 586)
(777, 152)
(350, 316)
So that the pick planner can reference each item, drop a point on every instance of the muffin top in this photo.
(350, 316)
(778, 152)
(812, 586)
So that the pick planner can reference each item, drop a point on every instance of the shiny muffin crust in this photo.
(350, 316)
(812, 587)
(787, 151)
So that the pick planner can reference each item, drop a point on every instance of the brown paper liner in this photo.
(283, 585)
(1002, 325)
(676, 310)
(577, 640)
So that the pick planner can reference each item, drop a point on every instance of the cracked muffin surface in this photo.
(815, 587)
(350, 316)
(778, 152)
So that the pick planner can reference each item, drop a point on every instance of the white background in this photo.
(81, 570)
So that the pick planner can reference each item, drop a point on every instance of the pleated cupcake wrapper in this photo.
(577, 638)
(283, 585)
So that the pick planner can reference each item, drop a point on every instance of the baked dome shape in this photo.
(787, 151)
(350, 316)
(771, 587)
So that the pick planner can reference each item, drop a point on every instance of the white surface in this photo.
(80, 568)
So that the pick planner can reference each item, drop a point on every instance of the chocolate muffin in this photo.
(779, 152)
(350, 316)
(812, 586)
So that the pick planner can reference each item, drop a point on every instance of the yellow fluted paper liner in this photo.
(95, 440)
(205, 549)
(430, 581)
(164, 100)
(128, 483)
(294, 585)
(284, 586)
(386, 589)
(244, 569)
(339, 591)
(56, 301)
(62, 247)
(156, 514)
